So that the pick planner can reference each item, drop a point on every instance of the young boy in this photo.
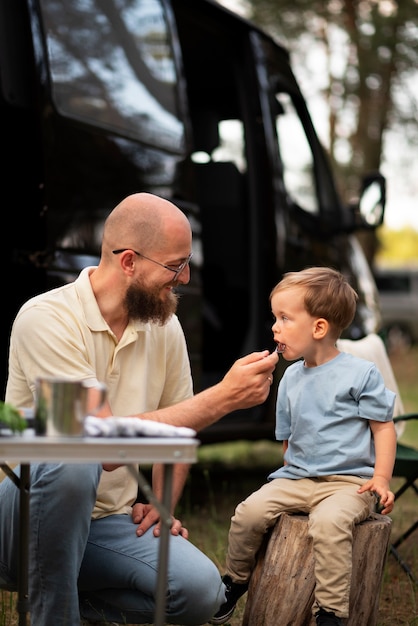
(334, 416)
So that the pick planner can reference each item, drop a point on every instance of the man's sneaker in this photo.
(325, 618)
(233, 593)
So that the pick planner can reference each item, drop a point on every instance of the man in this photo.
(92, 549)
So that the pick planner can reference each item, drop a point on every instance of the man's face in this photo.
(150, 304)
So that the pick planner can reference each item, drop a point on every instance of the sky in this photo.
(401, 209)
(401, 171)
(399, 166)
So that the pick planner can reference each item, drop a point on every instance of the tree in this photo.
(362, 57)
(370, 56)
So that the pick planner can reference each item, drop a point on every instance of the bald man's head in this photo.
(141, 221)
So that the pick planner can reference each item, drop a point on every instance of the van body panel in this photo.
(398, 298)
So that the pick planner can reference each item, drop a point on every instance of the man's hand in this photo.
(249, 379)
(146, 515)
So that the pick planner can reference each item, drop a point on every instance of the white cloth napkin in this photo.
(132, 427)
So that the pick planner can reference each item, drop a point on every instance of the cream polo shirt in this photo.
(62, 333)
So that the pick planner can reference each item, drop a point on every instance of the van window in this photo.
(296, 155)
(293, 152)
(398, 283)
(231, 144)
(112, 65)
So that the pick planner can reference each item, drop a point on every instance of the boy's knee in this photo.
(328, 525)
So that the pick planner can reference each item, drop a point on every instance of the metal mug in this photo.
(62, 404)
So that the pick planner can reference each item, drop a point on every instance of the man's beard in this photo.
(147, 305)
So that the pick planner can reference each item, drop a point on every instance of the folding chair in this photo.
(373, 349)
(406, 466)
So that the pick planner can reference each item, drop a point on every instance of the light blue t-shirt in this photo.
(324, 414)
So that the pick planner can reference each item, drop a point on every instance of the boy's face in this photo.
(293, 325)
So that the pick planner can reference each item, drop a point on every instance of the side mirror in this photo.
(372, 200)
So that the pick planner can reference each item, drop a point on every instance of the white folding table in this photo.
(129, 451)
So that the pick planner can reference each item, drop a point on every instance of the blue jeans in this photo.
(99, 569)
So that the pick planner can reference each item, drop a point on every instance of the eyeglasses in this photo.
(176, 269)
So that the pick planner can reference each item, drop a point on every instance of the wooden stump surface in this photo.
(281, 589)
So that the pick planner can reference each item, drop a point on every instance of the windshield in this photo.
(294, 147)
(112, 63)
(296, 155)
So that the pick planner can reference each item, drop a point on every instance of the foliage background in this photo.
(360, 57)
(397, 247)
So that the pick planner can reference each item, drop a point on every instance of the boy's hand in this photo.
(380, 487)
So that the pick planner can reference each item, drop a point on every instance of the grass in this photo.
(227, 473)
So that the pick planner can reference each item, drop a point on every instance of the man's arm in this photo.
(246, 384)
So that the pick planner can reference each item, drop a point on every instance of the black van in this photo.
(182, 98)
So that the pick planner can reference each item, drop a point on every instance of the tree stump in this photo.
(281, 589)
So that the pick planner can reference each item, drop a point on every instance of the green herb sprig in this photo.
(11, 418)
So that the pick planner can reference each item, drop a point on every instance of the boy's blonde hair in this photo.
(327, 295)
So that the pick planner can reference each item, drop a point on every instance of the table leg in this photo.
(23, 583)
(22, 483)
(161, 591)
(166, 522)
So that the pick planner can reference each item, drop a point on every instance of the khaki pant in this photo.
(333, 506)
